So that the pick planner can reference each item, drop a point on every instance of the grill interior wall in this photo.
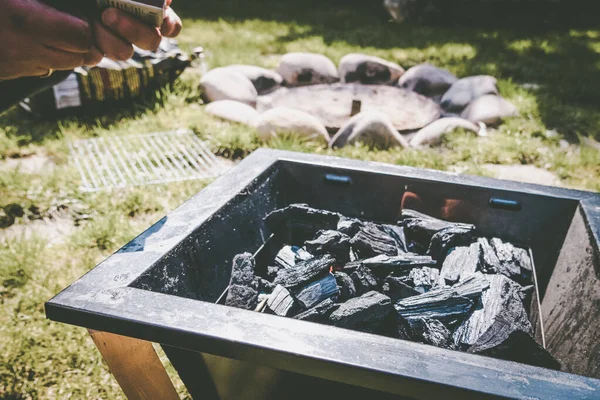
(571, 306)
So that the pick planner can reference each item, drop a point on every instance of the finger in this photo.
(52, 27)
(172, 24)
(59, 60)
(132, 30)
(93, 57)
(110, 44)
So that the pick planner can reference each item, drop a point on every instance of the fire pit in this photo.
(162, 286)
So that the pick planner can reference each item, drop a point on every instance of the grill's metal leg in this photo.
(136, 366)
(194, 373)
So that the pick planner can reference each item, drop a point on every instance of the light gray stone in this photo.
(523, 173)
(264, 80)
(433, 133)
(370, 126)
(282, 120)
(301, 69)
(368, 70)
(490, 110)
(466, 90)
(231, 110)
(427, 80)
(228, 84)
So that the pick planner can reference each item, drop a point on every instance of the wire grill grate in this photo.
(136, 160)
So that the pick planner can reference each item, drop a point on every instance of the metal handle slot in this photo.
(334, 179)
(505, 204)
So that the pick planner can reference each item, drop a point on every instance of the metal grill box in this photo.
(162, 287)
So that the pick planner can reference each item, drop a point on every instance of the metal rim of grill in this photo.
(135, 160)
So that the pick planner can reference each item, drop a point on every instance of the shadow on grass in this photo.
(550, 43)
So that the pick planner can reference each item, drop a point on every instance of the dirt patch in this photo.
(29, 165)
(523, 173)
(54, 230)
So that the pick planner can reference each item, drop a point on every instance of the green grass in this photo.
(41, 359)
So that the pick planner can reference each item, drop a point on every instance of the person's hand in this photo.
(118, 31)
(36, 39)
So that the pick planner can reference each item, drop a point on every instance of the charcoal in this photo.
(332, 242)
(319, 313)
(365, 313)
(424, 279)
(281, 302)
(433, 332)
(396, 289)
(241, 296)
(304, 272)
(316, 292)
(349, 226)
(286, 258)
(443, 304)
(421, 228)
(346, 285)
(243, 286)
(502, 303)
(473, 286)
(299, 222)
(242, 270)
(352, 266)
(447, 238)
(506, 259)
(460, 263)
(266, 286)
(370, 241)
(289, 256)
(383, 265)
(272, 272)
(526, 294)
(364, 280)
(397, 233)
(504, 343)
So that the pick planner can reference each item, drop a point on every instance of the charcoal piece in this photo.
(370, 241)
(447, 238)
(396, 289)
(460, 263)
(424, 279)
(364, 280)
(518, 346)
(272, 272)
(286, 257)
(366, 313)
(349, 226)
(316, 292)
(352, 256)
(352, 266)
(397, 233)
(504, 258)
(443, 304)
(489, 260)
(242, 270)
(345, 285)
(526, 294)
(289, 256)
(241, 296)
(502, 303)
(383, 265)
(472, 286)
(421, 228)
(433, 332)
(333, 242)
(304, 272)
(319, 313)
(243, 286)
(266, 286)
(298, 222)
(281, 302)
